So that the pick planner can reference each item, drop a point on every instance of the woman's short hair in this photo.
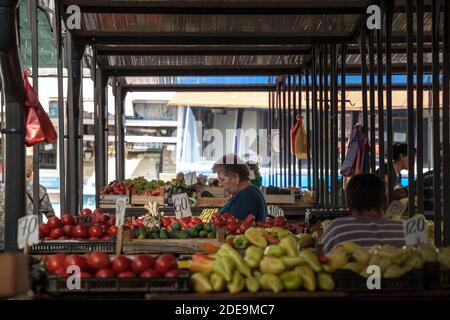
(366, 192)
(231, 164)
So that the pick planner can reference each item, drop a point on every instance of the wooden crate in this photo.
(279, 198)
(140, 200)
(167, 245)
(211, 202)
(217, 192)
(109, 200)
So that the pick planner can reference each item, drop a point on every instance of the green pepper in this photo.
(163, 234)
(252, 284)
(211, 234)
(291, 262)
(198, 227)
(200, 283)
(176, 226)
(325, 281)
(274, 251)
(253, 256)
(278, 232)
(155, 229)
(291, 280)
(192, 233)
(208, 227)
(271, 282)
(289, 244)
(308, 276)
(311, 259)
(237, 284)
(203, 234)
(240, 242)
(241, 265)
(271, 265)
(224, 266)
(218, 282)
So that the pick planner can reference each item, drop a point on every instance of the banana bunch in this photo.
(153, 216)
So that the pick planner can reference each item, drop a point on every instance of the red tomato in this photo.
(103, 219)
(94, 238)
(280, 221)
(121, 264)
(126, 274)
(105, 273)
(150, 273)
(63, 238)
(84, 274)
(86, 212)
(186, 219)
(112, 220)
(80, 231)
(106, 238)
(173, 273)
(76, 260)
(165, 262)
(56, 233)
(44, 230)
(112, 231)
(55, 262)
(98, 211)
(98, 260)
(142, 262)
(185, 225)
(95, 232)
(54, 223)
(67, 219)
(48, 238)
(68, 230)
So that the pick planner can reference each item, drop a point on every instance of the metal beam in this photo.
(14, 95)
(445, 126)
(120, 95)
(215, 7)
(372, 100)
(389, 129)
(209, 38)
(200, 87)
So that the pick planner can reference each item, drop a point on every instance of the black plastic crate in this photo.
(347, 280)
(58, 285)
(73, 246)
(436, 277)
(314, 215)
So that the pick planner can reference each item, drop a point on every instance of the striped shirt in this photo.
(365, 232)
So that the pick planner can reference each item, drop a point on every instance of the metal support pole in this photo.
(343, 112)
(298, 82)
(292, 95)
(326, 122)
(285, 136)
(410, 105)
(11, 74)
(334, 157)
(75, 53)
(280, 134)
(390, 143)
(269, 136)
(372, 101)
(320, 141)
(381, 101)
(81, 147)
(308, 128)
(445, 126)
(288, 126)
(35, 66)
(315, 129)
(99, 133)
(61, 109)
(436, 6)
(419, 103)
(120, 133)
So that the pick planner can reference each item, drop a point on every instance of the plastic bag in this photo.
(299, 140)
(38, 126)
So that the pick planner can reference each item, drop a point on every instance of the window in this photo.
(154, 111)
(48, 155)
(53, 108)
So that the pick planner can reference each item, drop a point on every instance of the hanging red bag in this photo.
(299, 140)
(38, 126)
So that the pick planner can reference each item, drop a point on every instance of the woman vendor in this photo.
(234, 177)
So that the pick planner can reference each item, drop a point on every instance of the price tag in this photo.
(415, 230)
(275, 211)
(120, 211)
(252, 175)
(181, 205)
(397, 208)
(190, 178)
(27, 231)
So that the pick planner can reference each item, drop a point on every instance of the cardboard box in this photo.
(14, 274)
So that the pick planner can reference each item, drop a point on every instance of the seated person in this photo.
(366, 197)
(234, 177)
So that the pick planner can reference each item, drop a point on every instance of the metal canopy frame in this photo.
(320, 58)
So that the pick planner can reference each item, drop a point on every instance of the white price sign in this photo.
(275, 211)
(27, 231)
(415, 230)
(181, 205)
(120, 211)
(190, 178)
(252, 175)
(397, 208)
